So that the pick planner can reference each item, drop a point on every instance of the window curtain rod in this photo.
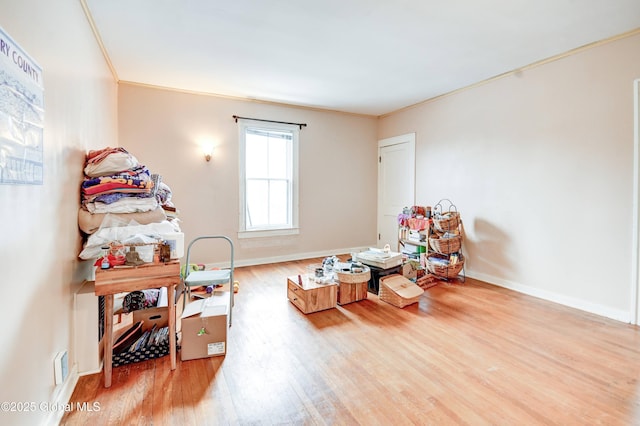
(235, 117)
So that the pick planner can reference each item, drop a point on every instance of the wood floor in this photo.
(467, 353)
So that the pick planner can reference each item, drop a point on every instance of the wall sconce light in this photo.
(207, 150)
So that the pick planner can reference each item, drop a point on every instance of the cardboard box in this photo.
(204, 327)
(158, 316)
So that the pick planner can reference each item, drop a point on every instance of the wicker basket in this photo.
(442, 270)
(447, 222)
(446, 245)
(399, 291)
(354, 277)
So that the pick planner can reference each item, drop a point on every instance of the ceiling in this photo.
(359, 56)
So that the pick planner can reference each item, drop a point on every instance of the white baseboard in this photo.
(61, 398)
(286, 258)
(90, 372)
(594, 308)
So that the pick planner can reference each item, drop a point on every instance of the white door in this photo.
(396, 185)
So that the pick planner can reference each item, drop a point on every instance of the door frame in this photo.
(635, 234)
(408, 138)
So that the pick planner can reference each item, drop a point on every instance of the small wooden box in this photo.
(352, 292)
(309, 296)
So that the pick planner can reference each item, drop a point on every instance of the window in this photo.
(268, 179)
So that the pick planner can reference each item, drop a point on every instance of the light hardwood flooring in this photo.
(467, 353)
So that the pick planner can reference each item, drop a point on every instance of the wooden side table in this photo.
(127, 279)
(309, 296)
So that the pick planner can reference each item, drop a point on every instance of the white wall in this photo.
(39, 270)
(338, 152)
(539, 164)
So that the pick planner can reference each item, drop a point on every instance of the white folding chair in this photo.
(212, 277)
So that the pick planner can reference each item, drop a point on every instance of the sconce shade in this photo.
(207, 150)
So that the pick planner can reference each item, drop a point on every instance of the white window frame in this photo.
(293, 227)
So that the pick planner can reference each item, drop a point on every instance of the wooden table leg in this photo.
(108, 336)
(171, 297)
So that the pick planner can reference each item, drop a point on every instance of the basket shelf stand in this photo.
(444, 243)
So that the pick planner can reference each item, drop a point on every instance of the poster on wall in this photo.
(21, 115)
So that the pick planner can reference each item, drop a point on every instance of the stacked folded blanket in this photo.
(118, 190)
(115, 182)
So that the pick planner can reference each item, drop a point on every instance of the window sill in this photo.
(268, 233)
